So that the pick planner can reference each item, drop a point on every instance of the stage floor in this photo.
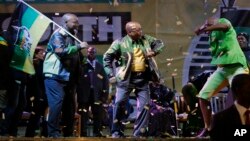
(100, 139)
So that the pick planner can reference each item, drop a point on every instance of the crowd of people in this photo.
(68, 82)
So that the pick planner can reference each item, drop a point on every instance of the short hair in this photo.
(240, 82)
(66, 17)
(244, 34)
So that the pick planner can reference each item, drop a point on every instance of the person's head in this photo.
(211, 21)
(91, 53)
(70, 22)
(134, 30)
(240, 88)
(243, 39)
(189, 93)
(39, 53)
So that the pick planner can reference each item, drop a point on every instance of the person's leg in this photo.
(141, 123)
(214, 84)
(119, 108)
(55, 94)
(97, 111)
(68, 112)
(83, 110)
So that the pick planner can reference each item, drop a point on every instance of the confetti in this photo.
(106, 20)
(146, 107)
(32, 98)
(90, 10)
(115, 121)
(178, 23)
(214, 10)
(208, 107)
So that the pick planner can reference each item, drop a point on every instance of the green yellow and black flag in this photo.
(26, 27)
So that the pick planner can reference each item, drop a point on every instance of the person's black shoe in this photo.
(117, 134)
(203, 133)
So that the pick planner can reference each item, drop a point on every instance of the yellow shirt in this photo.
(138, 64)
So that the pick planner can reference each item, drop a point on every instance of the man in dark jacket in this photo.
(226, 123)
(61, 70)
(92, 91)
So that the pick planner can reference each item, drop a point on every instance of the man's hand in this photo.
(150, 54)
(201, 29)
(112, 80)
(83, 45)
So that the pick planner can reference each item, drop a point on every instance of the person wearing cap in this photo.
(61, 71)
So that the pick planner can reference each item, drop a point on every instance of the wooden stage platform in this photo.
(101, 139)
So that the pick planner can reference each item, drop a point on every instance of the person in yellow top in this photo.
(132, 73)
(227, 56)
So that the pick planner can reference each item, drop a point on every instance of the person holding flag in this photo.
(22, 37)
(61, 69)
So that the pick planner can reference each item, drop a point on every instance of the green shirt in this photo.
(225, 48)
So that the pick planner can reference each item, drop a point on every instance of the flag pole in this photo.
(51, 21)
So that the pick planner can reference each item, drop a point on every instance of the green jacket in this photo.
(121, 51)
(225, 48)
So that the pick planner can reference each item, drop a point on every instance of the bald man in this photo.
(132, 72)
(227, 56)
(61, 71)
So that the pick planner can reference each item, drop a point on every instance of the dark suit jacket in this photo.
(100, 83)
(225, 123)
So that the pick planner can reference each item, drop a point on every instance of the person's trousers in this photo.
(119, 109)
(61, 101)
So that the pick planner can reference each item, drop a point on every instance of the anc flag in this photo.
(3, 42)
(26, 27)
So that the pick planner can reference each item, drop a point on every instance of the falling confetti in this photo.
(174, 74)
(97, 103)
(142, 130)
(146, 107)
(115, 121)
(32, 98)
(202, 66)
(214, 10)
(178, 23)
(185, 53)
(90, 10)
(116, 3)
(106, 20)
(157, 25)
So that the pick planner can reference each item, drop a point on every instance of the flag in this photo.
(3, 42)
(26, 28)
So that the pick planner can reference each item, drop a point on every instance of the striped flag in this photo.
(26, 28)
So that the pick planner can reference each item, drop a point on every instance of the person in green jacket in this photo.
(227, 56)
(130, 64)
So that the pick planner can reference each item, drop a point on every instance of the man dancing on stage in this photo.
(227, 56)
